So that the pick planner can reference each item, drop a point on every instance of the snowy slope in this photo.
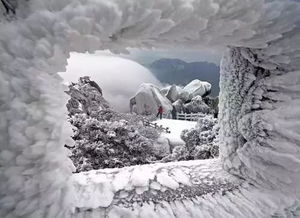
(176, 127)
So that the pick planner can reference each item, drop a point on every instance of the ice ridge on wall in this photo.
(258, 133)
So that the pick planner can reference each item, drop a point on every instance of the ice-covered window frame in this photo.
(258, 173)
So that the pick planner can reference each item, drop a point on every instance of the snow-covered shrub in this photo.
(191, 138)
(214, 150)
(161, 148)
(197, 105)
(201, 151)
(202, 141)
(149, 133)
(205, 123)
(179, 153)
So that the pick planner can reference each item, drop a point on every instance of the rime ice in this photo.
(259, 105)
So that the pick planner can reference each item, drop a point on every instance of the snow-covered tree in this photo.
(108, 144)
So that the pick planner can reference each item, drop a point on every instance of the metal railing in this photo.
(155, 126)
(189, 117)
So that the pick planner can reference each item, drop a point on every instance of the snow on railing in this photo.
(156, 126)
(189, 117)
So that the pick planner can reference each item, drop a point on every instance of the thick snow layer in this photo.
(259, 100)
(183, 189)
(103, 188)
(176, 127)
(148, 99)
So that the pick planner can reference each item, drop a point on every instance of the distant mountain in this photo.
(176, 71)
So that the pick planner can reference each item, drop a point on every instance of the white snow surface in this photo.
(259, 103)
(176, 127)
(100, 188)
(213, 192)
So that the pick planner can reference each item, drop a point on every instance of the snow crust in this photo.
(183, 189)
(259, 105)
(101, 188)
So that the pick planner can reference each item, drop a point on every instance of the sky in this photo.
(120, 76)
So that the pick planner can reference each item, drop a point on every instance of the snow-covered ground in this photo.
(116, 189)
(176, 127)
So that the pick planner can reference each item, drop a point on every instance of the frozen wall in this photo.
(260, 96)
(259, 120)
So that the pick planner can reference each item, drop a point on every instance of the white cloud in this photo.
(118, 77)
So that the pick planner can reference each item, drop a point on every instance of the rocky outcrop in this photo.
(173, 93)
(176, 92)
(179, 105)
(193, 98)
(147, 100)
(165, 90)
(86, 97)
(197, 88)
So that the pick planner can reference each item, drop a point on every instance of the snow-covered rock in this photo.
(173, 93)
(179, 105)
(197, 88)
(176, 92)
(165, 90)
(86, 97)
(147, 100)
(189, 99)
